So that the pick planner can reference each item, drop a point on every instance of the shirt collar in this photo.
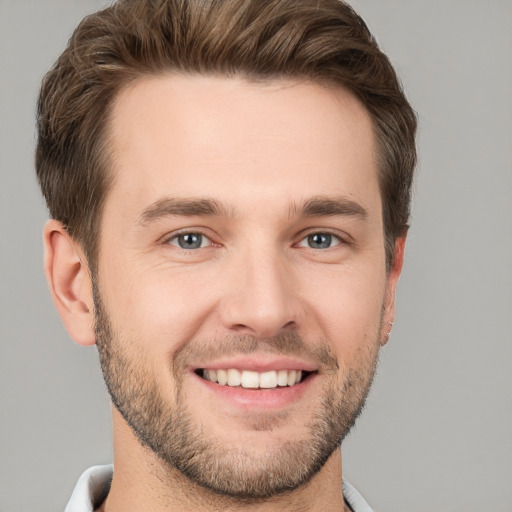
(91, 489)
(94, 484)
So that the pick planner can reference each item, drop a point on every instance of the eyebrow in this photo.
(317, 206)
(321, 206)
(169, 206)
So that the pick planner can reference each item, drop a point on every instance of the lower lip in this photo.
(253, 399)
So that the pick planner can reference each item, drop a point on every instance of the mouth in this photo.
(248, 379)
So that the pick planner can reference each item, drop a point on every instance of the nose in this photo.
(260, 296)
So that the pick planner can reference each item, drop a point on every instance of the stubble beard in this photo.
(237, 472)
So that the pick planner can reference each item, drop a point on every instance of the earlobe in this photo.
(69, 280)
(388, 314)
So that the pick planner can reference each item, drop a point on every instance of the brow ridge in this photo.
(186, 207)
(317, 206)
(320, 206)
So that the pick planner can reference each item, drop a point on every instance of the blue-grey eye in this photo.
(189, 240)
(320, 241)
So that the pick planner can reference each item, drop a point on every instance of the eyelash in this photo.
(339, 240)
(334, 236)
(175, 236)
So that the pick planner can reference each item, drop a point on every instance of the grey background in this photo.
(437, 432)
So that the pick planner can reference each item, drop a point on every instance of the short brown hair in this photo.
(323, 41)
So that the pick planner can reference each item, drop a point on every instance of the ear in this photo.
(388, 313)
(70, 282)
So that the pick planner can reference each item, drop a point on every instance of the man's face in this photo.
(241, 288)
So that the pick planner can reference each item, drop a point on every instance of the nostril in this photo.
(241, 327)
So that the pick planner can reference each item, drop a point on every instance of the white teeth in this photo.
(210, 375)
(253, 380)
(268, 379)
(282, 378)
(222, 377)
(234, 378)
(250, 379)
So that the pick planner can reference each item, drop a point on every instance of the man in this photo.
(229, 185)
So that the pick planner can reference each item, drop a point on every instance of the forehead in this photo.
(237, 140)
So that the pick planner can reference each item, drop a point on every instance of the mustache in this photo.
(283, 344)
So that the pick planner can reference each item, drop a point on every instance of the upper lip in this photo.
(258, 364)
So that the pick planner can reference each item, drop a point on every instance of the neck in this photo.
(144, 483)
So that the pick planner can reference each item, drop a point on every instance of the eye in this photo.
(190, 241)
(320, 241)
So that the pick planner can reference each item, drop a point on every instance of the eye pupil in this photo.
(190, 241)
(319, 240)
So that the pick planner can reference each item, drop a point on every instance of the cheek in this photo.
(348, 306)
(157, 307)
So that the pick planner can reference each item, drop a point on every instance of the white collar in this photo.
(93, 486)
(91, 489)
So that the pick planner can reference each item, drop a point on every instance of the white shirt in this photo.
(93, 486)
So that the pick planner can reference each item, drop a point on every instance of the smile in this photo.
(254, 380)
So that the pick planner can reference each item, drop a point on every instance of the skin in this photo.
(261, 151)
